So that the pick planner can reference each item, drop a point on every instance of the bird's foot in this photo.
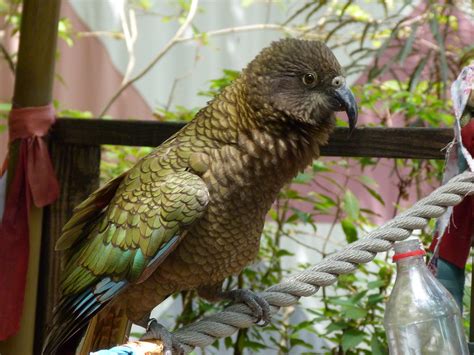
(256, 303)
(156, 331)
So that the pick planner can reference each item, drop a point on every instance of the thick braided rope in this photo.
(306, 283)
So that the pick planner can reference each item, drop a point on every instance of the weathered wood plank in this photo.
(377, 142)
(115, 132)
(77, 168)
(380, 142)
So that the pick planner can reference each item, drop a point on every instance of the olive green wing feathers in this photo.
(86, 214)
(144, 221)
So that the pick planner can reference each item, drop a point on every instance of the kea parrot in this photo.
(190, 214)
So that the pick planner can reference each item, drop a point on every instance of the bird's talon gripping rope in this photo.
(156, 331)
(259, 305)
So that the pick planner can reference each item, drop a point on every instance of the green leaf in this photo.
(351, 205)
(145, 4)
(291, 194)
(335, 326)
(349, 230)
(302, 216)
(344, 302)
(303, 178)
(320, 166)
(415, 77)
(351, 338)
(443, 63)
(307, 324)
(355, 313)
(375, 284)
(273, 214)
(358, 296)
(374, 194)
(367, 180)
(377, 347)
(254, 345)
(229, 343)
(389, 85)
(283, 252)
(292, 219)
(375, 298)
(408, 44)
(296, 341)
(346, 281)
(325, 203)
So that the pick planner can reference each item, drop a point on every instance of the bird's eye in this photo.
(309, 79)
(338, 81)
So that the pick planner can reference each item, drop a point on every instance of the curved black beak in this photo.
(347, 103)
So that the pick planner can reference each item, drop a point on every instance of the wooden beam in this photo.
(380, 142)
(115, 132)
(34, 79)
(377, 142)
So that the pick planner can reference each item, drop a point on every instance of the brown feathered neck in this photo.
(280, 143)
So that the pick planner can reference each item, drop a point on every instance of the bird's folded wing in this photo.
(143, 222)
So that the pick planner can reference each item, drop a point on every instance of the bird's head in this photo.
(302, 80)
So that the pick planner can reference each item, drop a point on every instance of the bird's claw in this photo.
(156, 331)
(256, 303)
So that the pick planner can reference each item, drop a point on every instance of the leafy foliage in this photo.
(218, 84)
(406, 30)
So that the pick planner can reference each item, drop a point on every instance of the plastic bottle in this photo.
(421, 316)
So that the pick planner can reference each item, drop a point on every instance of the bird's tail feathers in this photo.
(74, 312)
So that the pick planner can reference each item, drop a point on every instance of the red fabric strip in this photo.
(30, 122)
(14, 251)
(397, 257)
(34, 181)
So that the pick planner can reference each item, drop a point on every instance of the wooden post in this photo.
(33, 87)
(77, 168)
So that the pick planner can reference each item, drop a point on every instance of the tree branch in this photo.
(178, 38)
(8, 58)
(112, 34)
(164, 50)
(246, 28)
(129, 27)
